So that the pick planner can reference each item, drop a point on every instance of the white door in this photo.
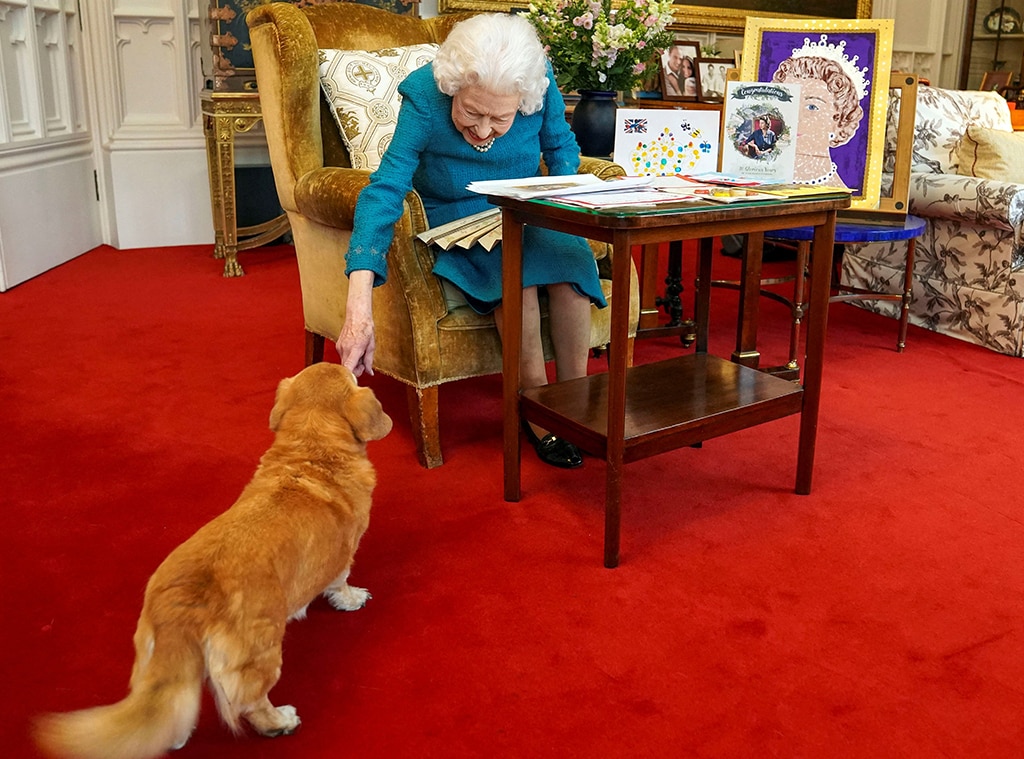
(49, 207)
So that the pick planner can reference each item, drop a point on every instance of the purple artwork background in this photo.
(776, 46)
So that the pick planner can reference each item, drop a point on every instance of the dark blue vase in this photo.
(593, 122)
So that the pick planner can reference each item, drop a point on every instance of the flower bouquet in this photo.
(593, 46)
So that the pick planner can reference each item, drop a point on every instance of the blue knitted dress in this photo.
(428, 153)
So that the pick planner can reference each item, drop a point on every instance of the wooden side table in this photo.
(226, 114)
(631, 413)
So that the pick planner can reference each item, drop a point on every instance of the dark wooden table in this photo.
(630, 413)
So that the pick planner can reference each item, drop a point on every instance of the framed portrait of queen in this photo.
(842, 67)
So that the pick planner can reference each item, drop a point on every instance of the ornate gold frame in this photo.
(703, 16)
(876, 104)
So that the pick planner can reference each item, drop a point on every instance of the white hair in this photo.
(497, 51)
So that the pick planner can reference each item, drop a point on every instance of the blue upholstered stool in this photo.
(847, 232)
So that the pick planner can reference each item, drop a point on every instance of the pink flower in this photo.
(586, 21)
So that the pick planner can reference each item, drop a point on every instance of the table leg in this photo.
(616, 419)
(702, 295)
(648, 287)
(817, 321)
(746, 352)
(803, 250)
(216, 190)
(512, 346)
(908, 286)
(672, 302)
(226, 169)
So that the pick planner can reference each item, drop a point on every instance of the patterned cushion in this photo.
(362, 89)
(992, 154)
(942, 119)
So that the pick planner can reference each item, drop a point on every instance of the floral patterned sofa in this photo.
(969, 264)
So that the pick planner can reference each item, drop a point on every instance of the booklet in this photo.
(759, 140)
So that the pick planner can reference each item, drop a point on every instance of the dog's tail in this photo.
(158, 714)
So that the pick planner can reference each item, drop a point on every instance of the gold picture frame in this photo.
(854, 145)
(704, 15)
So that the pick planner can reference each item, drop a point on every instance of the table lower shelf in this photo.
(669, 404)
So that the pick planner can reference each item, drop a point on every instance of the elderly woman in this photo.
(486, 108)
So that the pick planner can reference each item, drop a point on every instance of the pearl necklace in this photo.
(490, 143)
(819, 180)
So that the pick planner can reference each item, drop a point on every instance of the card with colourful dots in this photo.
(662, 142)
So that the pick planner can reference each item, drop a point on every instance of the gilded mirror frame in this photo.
(705, 16)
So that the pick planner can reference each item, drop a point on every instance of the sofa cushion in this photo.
(942, 119)
(992, 154)
(362, 89)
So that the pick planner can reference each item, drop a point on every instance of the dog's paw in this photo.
(181, 743)
(348, 598)
(289, 722)
(299, 613)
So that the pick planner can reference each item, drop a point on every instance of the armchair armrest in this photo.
(600, 168)
(982, 202)
(328, 196)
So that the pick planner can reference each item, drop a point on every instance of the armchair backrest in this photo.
(285, 40)
(351, 26)
(942, 119)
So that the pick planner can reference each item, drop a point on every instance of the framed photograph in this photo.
(679, 77)
(842, 67)
(711, 73)
(995, 80)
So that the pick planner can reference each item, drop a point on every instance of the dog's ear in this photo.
(281, 402)
(366, 415)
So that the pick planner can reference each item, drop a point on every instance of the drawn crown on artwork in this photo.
(837, 53)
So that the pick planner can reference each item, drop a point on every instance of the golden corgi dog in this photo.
(217, 606)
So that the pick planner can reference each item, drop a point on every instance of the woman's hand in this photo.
(356, 343)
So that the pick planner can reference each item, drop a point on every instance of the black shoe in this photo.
(554, 450)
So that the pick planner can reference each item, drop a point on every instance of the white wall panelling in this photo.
(152, 152)
(927, 37)
(48, 207)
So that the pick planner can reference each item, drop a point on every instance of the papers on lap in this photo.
(463, 232)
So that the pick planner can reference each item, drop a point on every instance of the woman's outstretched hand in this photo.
(357, 343)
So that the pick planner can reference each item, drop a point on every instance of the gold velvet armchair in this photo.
(420, 341)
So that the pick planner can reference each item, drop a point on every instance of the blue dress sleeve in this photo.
(557, 142)
(380, 203)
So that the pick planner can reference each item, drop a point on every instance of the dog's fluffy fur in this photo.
(218, 605)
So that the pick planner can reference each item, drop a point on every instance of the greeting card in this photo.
(661, 142)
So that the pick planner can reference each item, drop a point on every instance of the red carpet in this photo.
(881, 616)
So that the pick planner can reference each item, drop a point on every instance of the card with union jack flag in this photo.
(663, 142)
